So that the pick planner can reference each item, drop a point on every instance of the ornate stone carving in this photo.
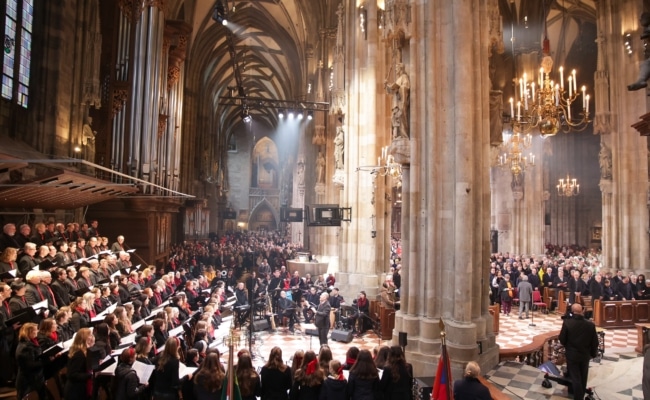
(397, 17)
(400, 149)
(495, 28)
(173, 74)
(339, 149)
(120, 96)
(319, 135)
(400, 90)
(132, 9)
(339, 100)
(605, 161)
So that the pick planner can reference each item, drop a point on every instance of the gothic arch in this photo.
(264, 215)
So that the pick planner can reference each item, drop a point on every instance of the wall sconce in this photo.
(627, 42)
(363, 22)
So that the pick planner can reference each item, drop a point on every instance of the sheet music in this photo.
(115, 274)
(130, 251)
(110, 370)
(137, 325)
(13, 272)
(38, 307)
(184, 371)
(128, 339)
(144, 371)
(176, 331)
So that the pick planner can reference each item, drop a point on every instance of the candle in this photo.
(525, 80)
(512, 108)
(378, 160)
(587, 105)
(575, 82)
(584, 99)
(519, 110)
(532, 88)
(568, 110)
(570, 86)
(562, 78)
(557, 95)
(541, 77)
(526, 100)
(521, 87)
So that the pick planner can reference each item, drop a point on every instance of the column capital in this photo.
(606, 186)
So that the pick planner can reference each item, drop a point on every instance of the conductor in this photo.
(580, 340)
(322, 318)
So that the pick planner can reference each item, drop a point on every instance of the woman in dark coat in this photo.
(309, 379)
(79, 384)
(397, 380)
(275, 377)
(248, 379)
(335, 385)
(364, 378)
(470, 387)
(210, 379)
(166, 382)
(30, 376)
(126, 384)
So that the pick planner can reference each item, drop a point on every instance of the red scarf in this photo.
(350, 361)
(341, 377)
(54, 336)
(34, 341)
(361, 302)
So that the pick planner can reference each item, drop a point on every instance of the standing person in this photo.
(79, 384)
(470, 387)
(166, 381)
(335, 385)
(364, 378)
(30, 376)
(309, 379)
(209, 381)
(525, 290)
(580, 340)
(126, 384)
(322, 318)
(396, 381)
(507, 293)
(248, 379)
(275, 377)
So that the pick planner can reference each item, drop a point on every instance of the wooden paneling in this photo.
(621, 314)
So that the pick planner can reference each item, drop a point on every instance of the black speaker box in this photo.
(340, 335)
(260, 325)
(311, 331)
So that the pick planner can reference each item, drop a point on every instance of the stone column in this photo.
(449, 197)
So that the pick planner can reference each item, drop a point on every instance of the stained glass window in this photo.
(19, 15)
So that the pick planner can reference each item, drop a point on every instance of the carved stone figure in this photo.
(605, 161)
(339, 148)
(320, 168)
(644, 69)
(88, 138)
(401, 92)
(300, 173)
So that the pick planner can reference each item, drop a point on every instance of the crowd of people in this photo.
(575, 271)
(70, 300)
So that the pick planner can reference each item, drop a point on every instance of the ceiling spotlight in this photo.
(300, 116)
(245, 116)
(219, 14)
(281, 114)
(290, 114)
(310, 115)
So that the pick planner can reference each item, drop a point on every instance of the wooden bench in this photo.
(621, 313)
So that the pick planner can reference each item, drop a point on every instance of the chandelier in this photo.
(545, 104)
(513, 158)
(568, 187)
(386, 166)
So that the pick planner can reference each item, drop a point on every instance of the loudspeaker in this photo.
(311, 331)
(340, 335)
(403, 341)
(260, 325)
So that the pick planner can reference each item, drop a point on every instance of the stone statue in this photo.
(320, 168)
(644, 69)
(401, 92)
(605, 161)
(300, 173)
(339, 148)
(88, 139)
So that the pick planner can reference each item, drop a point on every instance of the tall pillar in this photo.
(448, 194)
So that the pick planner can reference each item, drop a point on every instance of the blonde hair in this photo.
(26, 330)
(80, 342)
(472, 370)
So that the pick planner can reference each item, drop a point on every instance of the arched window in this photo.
(19, 15)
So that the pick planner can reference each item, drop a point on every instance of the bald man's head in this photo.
(576, 309)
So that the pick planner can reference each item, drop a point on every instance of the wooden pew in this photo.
(621, 313)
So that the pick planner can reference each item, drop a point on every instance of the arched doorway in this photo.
(263, 217)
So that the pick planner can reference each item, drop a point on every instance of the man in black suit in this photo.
(579, 338)
(322, 318)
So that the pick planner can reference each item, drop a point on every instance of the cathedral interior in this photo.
(425, 121)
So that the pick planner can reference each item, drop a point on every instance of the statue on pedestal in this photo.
(339, 148)
(401, 92)
(605, 161)
(320, 168)
(88, 139)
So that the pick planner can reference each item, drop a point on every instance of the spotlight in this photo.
(219, 14)
(281, 114)
(290, 114)
(300, 116)
(310, 115)
(245, 116)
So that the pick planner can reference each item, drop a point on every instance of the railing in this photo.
(543, 348)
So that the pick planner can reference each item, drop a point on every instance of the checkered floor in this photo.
(515, 380)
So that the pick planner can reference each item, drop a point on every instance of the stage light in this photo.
(300, 116)
(290, 114)
(310, 115)
(219, 14)
(245, 116)
(281, 114)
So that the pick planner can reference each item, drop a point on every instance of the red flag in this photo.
(442, 384)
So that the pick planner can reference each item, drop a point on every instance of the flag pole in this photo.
(443, 340)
